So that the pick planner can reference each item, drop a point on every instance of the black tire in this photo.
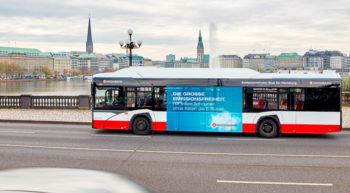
(141, 126)
(268, 128)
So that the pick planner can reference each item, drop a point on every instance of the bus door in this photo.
(286, 107)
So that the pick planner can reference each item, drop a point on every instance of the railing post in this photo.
(84, 102)
(26, 101)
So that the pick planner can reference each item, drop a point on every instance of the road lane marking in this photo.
(274, 183)
(243, 154)
(175, 152)
(66, 148)
(247, 139)
(109, 135)
(21, 132)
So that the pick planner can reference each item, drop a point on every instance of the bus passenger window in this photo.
(130, 97)
(144, 98)
(264, 99)
(283, 99)
(322, 99)
(160, 98)
(299, 99)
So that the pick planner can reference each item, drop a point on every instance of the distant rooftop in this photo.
(87, 56)
(26, 51)
(270, 57)
(256, 56)
(289, 55)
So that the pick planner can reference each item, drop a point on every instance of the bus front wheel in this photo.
(268, 128)
(141, 126)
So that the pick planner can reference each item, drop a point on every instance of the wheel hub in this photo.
(141, 125)
(267, 128)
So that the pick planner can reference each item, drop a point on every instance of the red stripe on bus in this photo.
(249, 127)
(98, 124)
(297, 128)
(124, 125)
(118, 125)
(309, 129)
(159, 126)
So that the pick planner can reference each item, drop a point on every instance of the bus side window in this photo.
(130, 97)
(160, 98)
(248, 99)
(283, 99)
(322, 99)
(299, 99)
(264, 99)
(144, 98)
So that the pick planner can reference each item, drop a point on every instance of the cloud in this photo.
(243, 26)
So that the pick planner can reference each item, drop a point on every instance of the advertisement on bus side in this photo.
(204, 109)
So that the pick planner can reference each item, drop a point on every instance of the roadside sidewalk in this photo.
(346, 118)
(80, 116)
(46, 115)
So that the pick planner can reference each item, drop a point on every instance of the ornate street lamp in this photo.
(129, 44)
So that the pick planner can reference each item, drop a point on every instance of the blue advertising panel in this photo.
(207, 109)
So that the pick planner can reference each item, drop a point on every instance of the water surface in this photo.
(48, 87)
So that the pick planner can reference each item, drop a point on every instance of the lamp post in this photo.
(129, 44)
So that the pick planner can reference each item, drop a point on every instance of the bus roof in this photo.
(207, 73)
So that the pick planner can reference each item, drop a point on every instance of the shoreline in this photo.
(30, 80)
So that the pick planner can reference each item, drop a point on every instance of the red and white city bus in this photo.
(147, 99)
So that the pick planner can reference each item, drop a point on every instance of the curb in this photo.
(45, 122)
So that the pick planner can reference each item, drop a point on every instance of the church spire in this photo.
(200, 41)
(200, 49)
(89, 44)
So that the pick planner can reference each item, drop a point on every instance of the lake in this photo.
(47, 87)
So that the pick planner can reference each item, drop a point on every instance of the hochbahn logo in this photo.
(112, 81)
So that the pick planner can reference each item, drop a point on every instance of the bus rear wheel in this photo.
(141, 126)
(268, 128)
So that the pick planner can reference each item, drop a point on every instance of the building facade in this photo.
(289, 61)
(313, 59)
(254, 61)
(270, 63)
(336, 62)
(62, 63)
(148, 62)
(170, 61)
(27, 58)
(137, 60)
(187, 63)
(104, 63)
(230, 61)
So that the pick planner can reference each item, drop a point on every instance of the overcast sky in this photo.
(171, 26)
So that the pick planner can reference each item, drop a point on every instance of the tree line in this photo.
(12, 71)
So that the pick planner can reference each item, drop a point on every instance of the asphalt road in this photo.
(186, 162)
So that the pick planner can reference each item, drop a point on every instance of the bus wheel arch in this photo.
(141, 124)
(268, 126)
